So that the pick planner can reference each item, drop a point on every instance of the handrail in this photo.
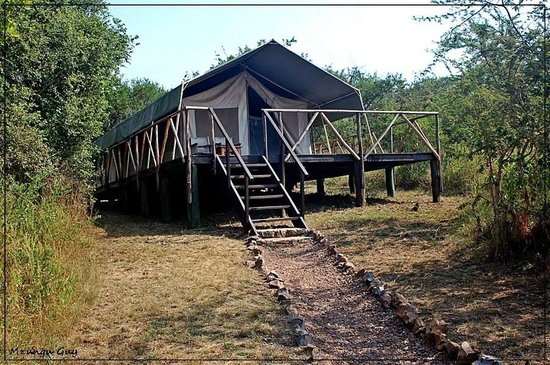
(230, 144)
(286, 143)
(285, 192)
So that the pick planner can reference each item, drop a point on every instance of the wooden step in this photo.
(258, 186)
(259, 176)
(249, 165)
(275, 219)
(285, 240)
(269, 207)
(264, 197)
(281, 232)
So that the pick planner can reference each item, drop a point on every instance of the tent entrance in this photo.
(256, 127)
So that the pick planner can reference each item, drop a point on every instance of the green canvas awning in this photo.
(280, 70)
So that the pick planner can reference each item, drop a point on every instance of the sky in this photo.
(175, 40)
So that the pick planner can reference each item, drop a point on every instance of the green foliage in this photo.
(48, 257)
(497, 103)
(61, 64)
(128, 97)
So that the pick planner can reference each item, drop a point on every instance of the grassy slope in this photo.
(424, 255)
(172, 293)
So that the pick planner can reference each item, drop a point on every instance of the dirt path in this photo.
(344, 321)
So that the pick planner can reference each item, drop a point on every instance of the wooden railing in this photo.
(148, 148)
(362, 137)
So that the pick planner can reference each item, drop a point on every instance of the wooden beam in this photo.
(303, 134)
(422, 137)
(360, 188)
(382, 136)
(176, 140)
(193, 208)
(351, 151)
(436, 179)
(164, 141)
(390, 182)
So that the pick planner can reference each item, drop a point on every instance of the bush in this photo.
(49, 235)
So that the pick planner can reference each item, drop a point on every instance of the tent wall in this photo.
(229, 99)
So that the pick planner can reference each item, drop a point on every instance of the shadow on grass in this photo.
(117, 224)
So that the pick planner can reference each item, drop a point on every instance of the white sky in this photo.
(382, 39)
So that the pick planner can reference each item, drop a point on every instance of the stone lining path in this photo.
(348, 325)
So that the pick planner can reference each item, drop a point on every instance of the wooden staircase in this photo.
(262, 200)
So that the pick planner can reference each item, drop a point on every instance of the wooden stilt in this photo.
(321, 187)
(193, 208)
(435, 169)
(144, 198)
(359, 175)
(164, 195)
(390, 182)
(351, 183)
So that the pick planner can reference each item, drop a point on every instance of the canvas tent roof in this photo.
(280, 70)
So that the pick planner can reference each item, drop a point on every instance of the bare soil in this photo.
(347, 324)
(429, 257)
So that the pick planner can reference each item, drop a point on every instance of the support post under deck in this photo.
(321, 187)
(144, 199)
(435, 169)
(193, 208)
(359, 175)
(390, 182)
(164, 195)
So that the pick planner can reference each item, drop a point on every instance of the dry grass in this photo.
(169, 293)
(424, 254)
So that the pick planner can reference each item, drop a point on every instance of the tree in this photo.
(499, 100)
(128, 97)
(61, 64)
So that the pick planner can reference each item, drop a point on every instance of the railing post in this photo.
(282, 151)
(302, 195)
(359, 167)
(390, 177)
(438, 149)
(213, 135)
(266, 147)
(228, 164)
(246, 198)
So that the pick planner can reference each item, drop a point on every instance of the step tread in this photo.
(264, 197)
(258, 186)
(270, 207)
(275, 219)
(285, 239)
(238, 165)
(259, 176)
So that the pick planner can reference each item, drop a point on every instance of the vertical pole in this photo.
(438, 149)
(228, 163)
(435, 170)
(390, 176)
(246, 201)
(282, 157)
(266, 151)
(321, 187)
(164, 194)
(390, 182)
(359, 167)
(213, 144)
(351, 181)
(143, 198)
(302, 195)
(193, 208)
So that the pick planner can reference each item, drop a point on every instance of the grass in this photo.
(49, 261)
(429, 257)
(168, 292)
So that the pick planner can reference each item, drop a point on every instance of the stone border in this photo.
(274, 281)
(435, 331)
